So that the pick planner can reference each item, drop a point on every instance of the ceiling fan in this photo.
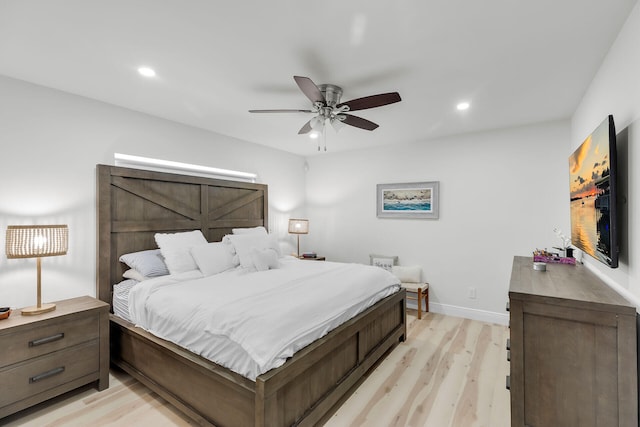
(328, 108)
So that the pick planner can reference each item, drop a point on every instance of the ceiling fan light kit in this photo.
(326, 107)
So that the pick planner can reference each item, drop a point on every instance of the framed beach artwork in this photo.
(408, 200)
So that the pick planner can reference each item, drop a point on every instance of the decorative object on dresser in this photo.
(298, 227)
(410, 277)
(47, 355)
(133, 205)
(572, 348)
(408, 200)
(37, 241)
(542, 255)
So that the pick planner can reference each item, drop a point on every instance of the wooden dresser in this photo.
(573, 349)
(49, 354)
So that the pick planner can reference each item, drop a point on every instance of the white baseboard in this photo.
(467, 313)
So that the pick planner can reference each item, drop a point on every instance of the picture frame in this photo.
(383, 261)
(408, 200)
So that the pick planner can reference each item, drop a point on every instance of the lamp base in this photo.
(32, 311)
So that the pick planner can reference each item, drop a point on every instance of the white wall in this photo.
(501, 194)
(616, 90)
(51, 142)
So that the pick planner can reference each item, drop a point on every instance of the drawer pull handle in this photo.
(508, 382)
(508, 344)
(46, 375)
(46, 340)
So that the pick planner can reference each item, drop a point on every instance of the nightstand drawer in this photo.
(25, 343)
(35, 376)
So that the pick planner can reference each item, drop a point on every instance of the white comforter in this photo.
(251, 322)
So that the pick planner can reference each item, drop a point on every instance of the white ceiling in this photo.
(515, 61)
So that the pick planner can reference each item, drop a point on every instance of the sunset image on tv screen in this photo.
(590, 171)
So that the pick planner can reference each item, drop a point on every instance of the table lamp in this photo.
(37, 241)
(298, 226)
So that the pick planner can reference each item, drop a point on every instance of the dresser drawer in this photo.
(37, 375)
(26, 343)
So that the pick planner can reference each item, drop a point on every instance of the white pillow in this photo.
(175, 248)
(407, 274)
(213, 258)
(251, 230)
(244, 243)
(264, 259)
(134, 274)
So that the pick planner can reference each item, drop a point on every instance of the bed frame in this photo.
(133, 205)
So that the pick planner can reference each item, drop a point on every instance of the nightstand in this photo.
(49, 354)
(318, 258)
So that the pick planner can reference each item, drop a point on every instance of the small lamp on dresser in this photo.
(298, 226)
(37, 241)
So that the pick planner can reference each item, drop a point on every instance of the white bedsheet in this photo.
(251, 322)
(120, 299)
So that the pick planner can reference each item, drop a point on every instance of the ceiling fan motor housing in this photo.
(332, 94)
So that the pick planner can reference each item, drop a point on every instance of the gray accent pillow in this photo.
(149, 263)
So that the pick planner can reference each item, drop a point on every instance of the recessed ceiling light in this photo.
(463, 106)
(147, 72)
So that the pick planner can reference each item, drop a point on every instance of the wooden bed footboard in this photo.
(305, 391)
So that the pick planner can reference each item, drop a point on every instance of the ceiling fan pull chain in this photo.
(324, 132)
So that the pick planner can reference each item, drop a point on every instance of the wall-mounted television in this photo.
(593, 174)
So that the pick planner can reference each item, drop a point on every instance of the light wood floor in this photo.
(449, 373)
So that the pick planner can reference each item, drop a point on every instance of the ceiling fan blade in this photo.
(309, 88)
(280, 111)
(305, 129)
(358, 122)
(371, 101)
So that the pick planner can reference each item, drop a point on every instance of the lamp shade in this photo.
(299, 226)
(36, 241)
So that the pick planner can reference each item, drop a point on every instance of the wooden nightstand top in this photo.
(63, 308)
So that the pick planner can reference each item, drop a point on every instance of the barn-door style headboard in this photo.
(134, 204)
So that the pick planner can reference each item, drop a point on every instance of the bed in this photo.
(132, 206)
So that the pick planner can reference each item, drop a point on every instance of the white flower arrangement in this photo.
(566, 241)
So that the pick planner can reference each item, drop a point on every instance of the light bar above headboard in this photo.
(159, 165)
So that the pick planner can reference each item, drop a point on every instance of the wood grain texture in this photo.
(47, 355)
(305, 390)
(133, 205)
(573, 349)
(449, 373)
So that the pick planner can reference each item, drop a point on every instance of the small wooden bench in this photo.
(421, 290)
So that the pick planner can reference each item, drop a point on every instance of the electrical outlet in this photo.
(471, 292)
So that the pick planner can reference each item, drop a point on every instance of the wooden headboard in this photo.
(133, 205)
